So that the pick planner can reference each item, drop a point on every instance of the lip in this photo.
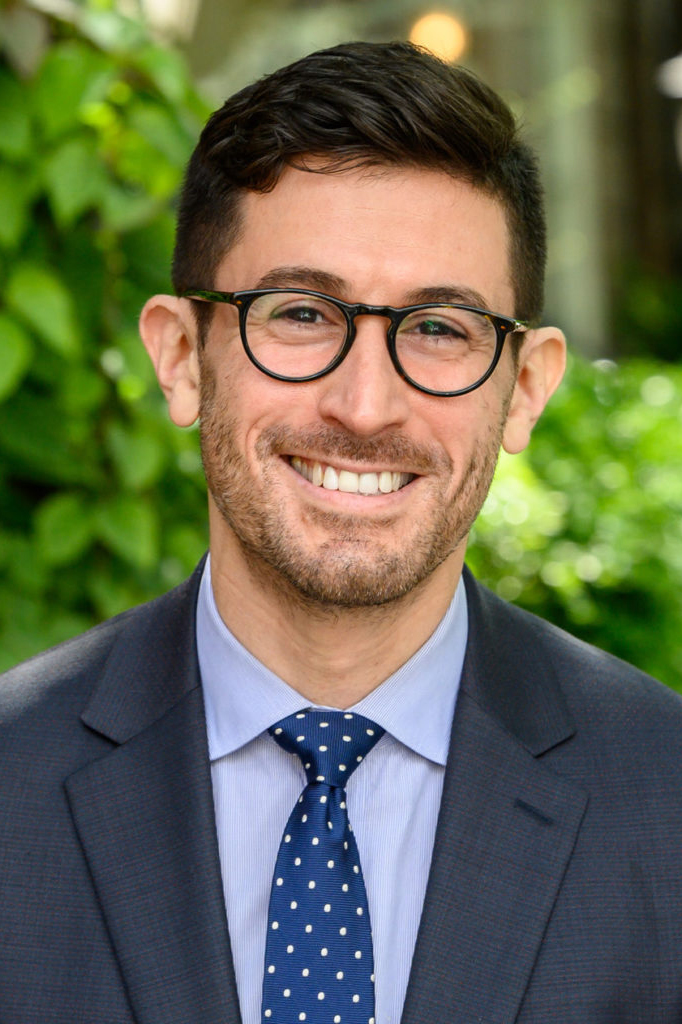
(350, 498)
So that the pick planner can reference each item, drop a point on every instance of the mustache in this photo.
(388, 449)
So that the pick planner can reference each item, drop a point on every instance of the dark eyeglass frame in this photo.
(504, 327)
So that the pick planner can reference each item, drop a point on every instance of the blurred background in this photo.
(102, 502)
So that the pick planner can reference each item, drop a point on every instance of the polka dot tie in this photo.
(319, 965)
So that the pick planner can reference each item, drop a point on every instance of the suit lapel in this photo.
(144, 817)
(506, 831)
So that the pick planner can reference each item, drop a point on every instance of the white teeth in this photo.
(347, 481)
(330, 481)
(385, 482)
(368, 483)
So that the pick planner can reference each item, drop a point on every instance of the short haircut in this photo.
(360, 105)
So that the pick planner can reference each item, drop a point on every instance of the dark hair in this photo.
(360, 104)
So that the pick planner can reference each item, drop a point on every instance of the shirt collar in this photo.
(243, 698)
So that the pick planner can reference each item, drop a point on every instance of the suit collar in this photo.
(144, 817)
(155, 653)
(509, 670)
(507, 827)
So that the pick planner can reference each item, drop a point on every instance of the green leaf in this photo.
(67, 76)
(111, 31)
(166, 69)
(16, 193)
(36, 444)
(41, 299)
(75, 179)
(15, 355)
(129, 528)
(64, 528)
(138, 455)
(15, 119)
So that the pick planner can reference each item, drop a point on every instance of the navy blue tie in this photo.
(319, 966)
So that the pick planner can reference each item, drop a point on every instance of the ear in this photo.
(169, 334)
(542, 361)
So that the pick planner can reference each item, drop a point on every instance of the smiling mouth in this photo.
(332, 479)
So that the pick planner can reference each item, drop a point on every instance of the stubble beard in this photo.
(358, 566)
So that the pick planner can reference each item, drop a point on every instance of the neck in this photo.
(332, 656)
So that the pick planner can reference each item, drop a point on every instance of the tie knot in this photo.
(331, 744)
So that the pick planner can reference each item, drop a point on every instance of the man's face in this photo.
(378, 237)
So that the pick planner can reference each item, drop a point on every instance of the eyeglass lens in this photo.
(442, 348)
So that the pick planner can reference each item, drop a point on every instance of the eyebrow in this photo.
(322, 281)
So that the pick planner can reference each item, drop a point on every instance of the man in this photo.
(358, 268)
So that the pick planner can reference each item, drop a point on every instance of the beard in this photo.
(358, 564)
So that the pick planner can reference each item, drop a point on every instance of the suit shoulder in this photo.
(66, 673)
(593, 682)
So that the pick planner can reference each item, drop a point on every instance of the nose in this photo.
(365, 394)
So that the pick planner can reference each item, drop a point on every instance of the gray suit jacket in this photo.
(555, 892)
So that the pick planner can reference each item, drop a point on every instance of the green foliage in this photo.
(101, 499)
(585, 528)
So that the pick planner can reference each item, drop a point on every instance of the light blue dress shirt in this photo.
(393, 796)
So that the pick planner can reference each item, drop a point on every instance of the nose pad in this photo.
(365, 393)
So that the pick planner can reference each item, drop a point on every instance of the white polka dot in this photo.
(297, 861)
(268, 1013)
(356, 869)
(371, 1020)
(330, 825)
(301, 715)
(342, 767)
(308, 928)
(322, 749)
(324, 951)
(300, 799)
(339, 975)
(315, 841)
(290, 949)
(344, 887)
(286, 993)
(327, 907)
(323, 725)
(359, 758)
(330, 863)
(337, 1019)
(342, 931)
(320, 995)
(359, 911)
(342, 805)
(320, 778)
(305, 972)
(275, 925)
(271, 969)
(287, 839)
(278, 732)
(293, 904)
(356, 999)
(311, 885)
(304, 817)
(348, 716)
(370, 732)
(299, 739)
(358, 954)
(346, 739)
(301, 1016)
(371, 978)
(307, 766)
(280, 881)
(323, 799)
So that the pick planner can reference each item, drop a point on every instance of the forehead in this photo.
(384, 232)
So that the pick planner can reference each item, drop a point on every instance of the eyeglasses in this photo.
(442, 348)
